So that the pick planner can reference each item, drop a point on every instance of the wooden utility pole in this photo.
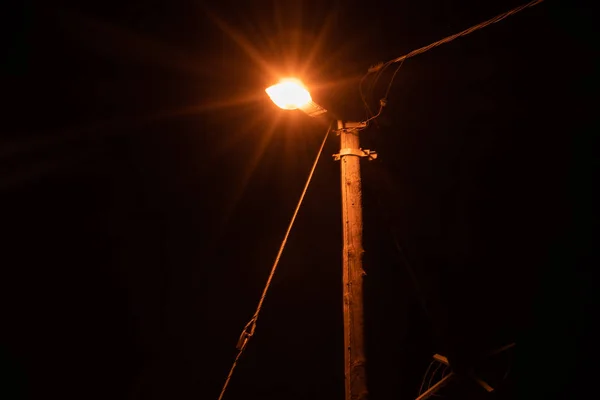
(354, 340)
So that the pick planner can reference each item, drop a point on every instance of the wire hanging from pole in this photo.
(250, 327)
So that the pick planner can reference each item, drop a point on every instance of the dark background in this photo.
(147, 182)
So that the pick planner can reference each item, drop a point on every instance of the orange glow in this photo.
(289, 94)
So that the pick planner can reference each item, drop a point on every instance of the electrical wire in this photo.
(383, 101)
(392, 80)
(472, 29)
(381, 105)
(445, 40)
(250, 327)
(443, 376)
(433, 376)
(380, 68)
(445, 371)
(425, 377)
(362, 96)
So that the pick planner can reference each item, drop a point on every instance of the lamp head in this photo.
(289, 94)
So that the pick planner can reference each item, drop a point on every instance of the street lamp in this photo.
(291, 94)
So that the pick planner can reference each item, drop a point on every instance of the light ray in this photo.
(244, 44)
(259, 150)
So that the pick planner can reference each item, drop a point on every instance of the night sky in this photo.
(147, 182)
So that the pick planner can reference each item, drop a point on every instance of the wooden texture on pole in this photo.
(354, 342)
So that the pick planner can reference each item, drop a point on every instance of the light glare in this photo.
(289, 94)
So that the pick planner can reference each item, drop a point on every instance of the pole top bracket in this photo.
(355, 152)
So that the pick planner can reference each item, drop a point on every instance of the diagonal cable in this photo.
(248, 330)
(467, 31)
(382, 66)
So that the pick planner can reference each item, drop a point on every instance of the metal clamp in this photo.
(355, 152)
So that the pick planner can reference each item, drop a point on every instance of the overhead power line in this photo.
(466, 31)
(248, 330)
(379, 68)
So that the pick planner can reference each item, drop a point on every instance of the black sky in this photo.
(147, 184)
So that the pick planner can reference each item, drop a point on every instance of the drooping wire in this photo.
(383, 101)
(433, 376)
(425, 377)
(380, 68)
(362, 96)
(377, 76)
(445, 371)
(250, 327)
(381, 105)
(387, 91)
